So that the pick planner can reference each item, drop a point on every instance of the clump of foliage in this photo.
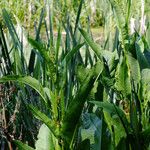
(85, 96)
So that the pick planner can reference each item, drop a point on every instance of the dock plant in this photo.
(84, 96)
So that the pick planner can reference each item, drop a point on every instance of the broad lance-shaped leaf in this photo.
(115, 117)
(139, 45)
(91, 129)
(75, 108)
(81, 73)
(134, 69)
(95, 47)
(123, 78)
(32, 82)
(45, 119)
(146, 85)
(22, 146)
(45, 139)
(113, 110)
(146, 76)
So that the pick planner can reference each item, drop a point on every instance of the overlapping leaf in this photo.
(115, 117)
(32, 82)
(123, 83)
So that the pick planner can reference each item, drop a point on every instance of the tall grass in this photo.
(99, 100)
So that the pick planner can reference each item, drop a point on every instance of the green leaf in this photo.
(134, 118)
(78, 15)
(115, 117)
(38, 30)
(40, 47)
(146, 81)
(121, 10)
(146, 136)
(45, 139)
(48, 56)
(139, 45)
(54, 105)
(146, 76)
(75, 108)
(81, 73)
(50, 13)
(91, 129)
(11, 29)
(22, 146)
(72, 52)
(45, 119)
(95, 47)
(111, 58)
(18, 63)
(134, 69)
(146, 86)
(58, 43)
(123, 83)
(32, 82)
(112, 109)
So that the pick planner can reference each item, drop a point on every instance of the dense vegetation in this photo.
(62, 89)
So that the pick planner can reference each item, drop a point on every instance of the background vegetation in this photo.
(62, 86)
